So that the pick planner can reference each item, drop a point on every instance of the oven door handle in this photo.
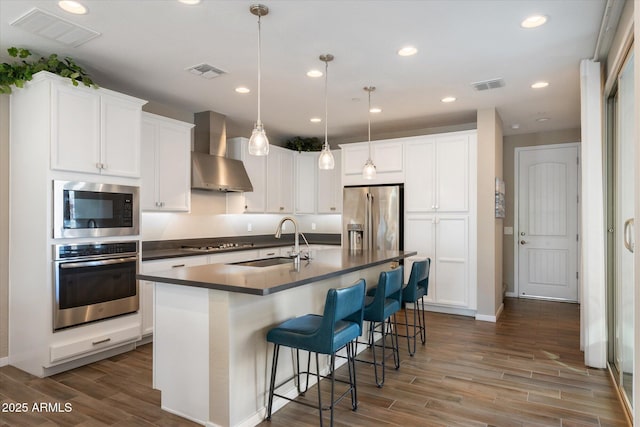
(98, 262)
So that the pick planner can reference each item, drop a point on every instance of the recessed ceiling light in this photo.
(515, 126)
(533, 21)
(72, 7)
(315, 73)
(189, 2)
(407, 51)
(315, 119)
(539, 85)
(448, 99)
(375, 110)
(242, 89)
(542, 119)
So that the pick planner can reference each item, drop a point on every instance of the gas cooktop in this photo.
(217, 246)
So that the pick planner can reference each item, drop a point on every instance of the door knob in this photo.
(523, 242)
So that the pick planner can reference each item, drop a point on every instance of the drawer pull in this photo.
(101, 341)
(271, 254)
(177, 266)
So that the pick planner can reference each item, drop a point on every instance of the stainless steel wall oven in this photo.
(94, 281)
(87, 209)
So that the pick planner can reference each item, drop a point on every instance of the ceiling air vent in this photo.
(488, 84)
(45, 24)
(205, 70)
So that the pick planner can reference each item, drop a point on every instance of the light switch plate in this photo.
(508, 231)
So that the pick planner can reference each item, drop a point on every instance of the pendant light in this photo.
(326, 161)
(259, 143)
(369, 169)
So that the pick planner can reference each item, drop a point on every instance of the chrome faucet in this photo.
(296, 248)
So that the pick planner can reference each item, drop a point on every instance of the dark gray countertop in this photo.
(163, 249)
(268, 280)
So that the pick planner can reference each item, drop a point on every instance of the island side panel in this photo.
(181, 350)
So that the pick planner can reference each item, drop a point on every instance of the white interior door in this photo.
(547, 205)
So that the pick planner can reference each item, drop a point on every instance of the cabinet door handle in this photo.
(281, 208)
(98, 165)
(104, 166)
(271, 254)
(101, 341)
(177, 266)
(333, 209)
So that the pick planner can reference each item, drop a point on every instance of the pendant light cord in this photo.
(259, 66)
(369, 121)
(326, 103)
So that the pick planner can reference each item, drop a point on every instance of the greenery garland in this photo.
(16, 74)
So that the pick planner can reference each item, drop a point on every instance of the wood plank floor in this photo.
(524, 370)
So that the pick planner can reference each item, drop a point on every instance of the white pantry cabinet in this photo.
(166, 164)
(280, 180)
(93, 130)
(440, 216)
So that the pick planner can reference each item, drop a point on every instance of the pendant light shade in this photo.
(326, 160)
(259, 143)
(369, 169)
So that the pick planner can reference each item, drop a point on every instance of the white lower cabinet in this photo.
(444, 239)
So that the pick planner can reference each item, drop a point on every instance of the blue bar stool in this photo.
(338, 327)
(381, 305)
(414, 292)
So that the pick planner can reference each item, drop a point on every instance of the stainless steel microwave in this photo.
(88, 209)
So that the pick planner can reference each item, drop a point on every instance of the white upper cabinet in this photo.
(329, 195)
(437, 173)
(256, 166)
(94, 130)
(166, 164)
(280, 180)
(386, 155)
(307, 175)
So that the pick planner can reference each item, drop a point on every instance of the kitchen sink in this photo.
(265, 262)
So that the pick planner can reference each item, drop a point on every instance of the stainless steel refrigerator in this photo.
(372, 218)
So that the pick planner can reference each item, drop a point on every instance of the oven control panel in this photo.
(84, 250)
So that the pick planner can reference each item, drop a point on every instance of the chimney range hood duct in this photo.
(210, 169)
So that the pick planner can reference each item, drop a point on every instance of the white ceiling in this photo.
(145, 46)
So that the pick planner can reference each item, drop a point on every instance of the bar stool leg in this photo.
(351, 363)
(394, 346)
(423, 325)
(274, 365)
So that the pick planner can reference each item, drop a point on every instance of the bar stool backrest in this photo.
(419, 278)
(389, 287)
(345, 304)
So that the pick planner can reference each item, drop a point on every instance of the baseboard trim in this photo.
(489, 318)
(511, 294)
(4, 361)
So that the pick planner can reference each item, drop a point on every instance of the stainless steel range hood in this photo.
(210, 168)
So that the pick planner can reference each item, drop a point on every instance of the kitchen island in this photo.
(211, 360)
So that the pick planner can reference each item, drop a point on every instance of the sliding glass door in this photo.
(621, 200)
